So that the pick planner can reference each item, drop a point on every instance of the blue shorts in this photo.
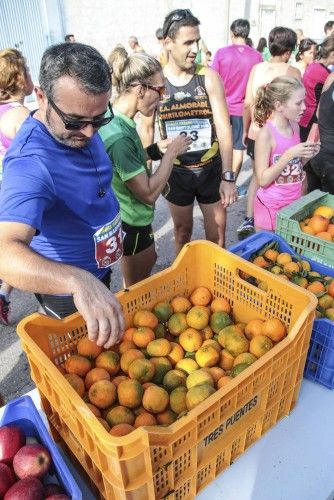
(237, 131)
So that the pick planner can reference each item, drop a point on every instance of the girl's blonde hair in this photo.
(279, 89)
(136, 68)
(13, 74)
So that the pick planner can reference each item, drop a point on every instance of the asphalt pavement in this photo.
(14, 369)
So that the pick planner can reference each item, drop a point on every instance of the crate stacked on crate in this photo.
(308, 245)
(178, 460)
(22, 413)
(320, 358)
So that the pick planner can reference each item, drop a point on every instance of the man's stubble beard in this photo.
(66, 141)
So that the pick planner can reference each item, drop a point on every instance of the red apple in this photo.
(7, 478)
(28, 488)
(32, 460)
(11, 440)
(52, 489)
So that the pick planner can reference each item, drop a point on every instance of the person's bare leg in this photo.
(139, 266)
(183, 224)
(5, 291)
(214, 215)
(253, 187)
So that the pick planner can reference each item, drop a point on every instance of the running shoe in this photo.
(246, 228)
(242, 192)
(4, 310)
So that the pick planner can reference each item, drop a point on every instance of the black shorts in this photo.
(136, 239)
(201, 184)
(237, 131)
(60, 306)
(251, 148)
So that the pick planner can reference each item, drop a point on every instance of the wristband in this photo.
(228, 176)
(154, 152)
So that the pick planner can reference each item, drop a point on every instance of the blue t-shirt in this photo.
(55, 189)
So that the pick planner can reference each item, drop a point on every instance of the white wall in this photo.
(104, 23)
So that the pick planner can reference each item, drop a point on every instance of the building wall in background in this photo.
(104, 23)
(32, 25)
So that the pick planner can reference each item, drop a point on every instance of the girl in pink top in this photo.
(15, 85)
(279, 154)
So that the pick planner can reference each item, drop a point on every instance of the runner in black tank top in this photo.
(194, 104)
(187, 110)
(321, 174)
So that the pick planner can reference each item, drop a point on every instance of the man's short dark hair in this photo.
(68, 38)
(240, 28)
(328, 26)
(281, 40)
(176, 20)
(81, 62)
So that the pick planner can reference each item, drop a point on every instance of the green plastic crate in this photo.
(287, 226)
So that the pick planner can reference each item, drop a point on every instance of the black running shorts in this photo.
(201, 184)
(136, 239)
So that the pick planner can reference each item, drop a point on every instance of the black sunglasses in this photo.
(179, 15)
(80, 124)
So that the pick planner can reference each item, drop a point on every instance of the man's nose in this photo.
(88, 130)
(194, 48)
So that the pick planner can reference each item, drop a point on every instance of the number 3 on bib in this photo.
(109, 243)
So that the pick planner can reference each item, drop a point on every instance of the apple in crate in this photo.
(52, 489)
(32, 460)
(29, 488)
(11, 440)
(7, 479)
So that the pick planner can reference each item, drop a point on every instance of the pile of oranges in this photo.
(169, 361)
(321, 224)
(299, 272)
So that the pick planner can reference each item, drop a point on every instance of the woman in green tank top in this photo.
(140, 84)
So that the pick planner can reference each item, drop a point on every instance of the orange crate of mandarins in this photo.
(207, 365)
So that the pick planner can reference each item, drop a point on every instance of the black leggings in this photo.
(60, 306)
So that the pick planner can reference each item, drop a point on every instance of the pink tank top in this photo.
(288, 185)
(6, 141)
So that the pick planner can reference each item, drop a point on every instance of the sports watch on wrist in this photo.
(228, 176)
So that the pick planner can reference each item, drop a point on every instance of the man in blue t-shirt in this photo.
(60, 227)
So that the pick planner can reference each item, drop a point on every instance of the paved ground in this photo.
(14, 370)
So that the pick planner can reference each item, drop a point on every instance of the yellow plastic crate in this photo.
(175, 462)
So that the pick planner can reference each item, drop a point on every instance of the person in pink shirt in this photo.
(234, 64)
(279, 154)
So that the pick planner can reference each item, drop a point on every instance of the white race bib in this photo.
(109, 243)
(199, 129)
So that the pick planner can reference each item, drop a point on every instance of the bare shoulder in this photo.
(264, 135)
(213, 81)
(328, 82)
(12, 120)
(294, 72)
(211, 75)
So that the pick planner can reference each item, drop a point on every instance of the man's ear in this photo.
(168, 43)
(40, 96)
